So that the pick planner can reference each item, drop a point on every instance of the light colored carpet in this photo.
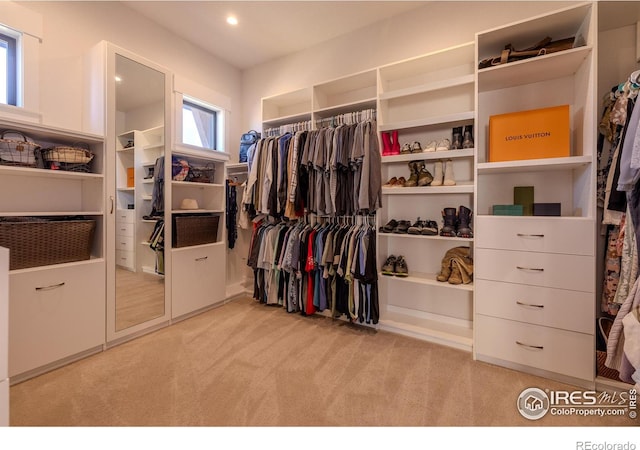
(246, 364)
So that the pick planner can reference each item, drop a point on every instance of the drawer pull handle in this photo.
(529, 304)
(537, 347)
(530, 235)
(53, 286)
(530, 268)
(202, 259)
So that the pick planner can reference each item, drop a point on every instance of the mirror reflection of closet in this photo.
(139, 197)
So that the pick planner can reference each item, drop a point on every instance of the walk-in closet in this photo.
(430, 195)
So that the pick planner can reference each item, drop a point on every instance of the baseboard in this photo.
(54, 365)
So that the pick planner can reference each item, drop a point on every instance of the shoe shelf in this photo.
(449, 154)
(428, 279)
(420, 236)
(460, 188)
(447, 119)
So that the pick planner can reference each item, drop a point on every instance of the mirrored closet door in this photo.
(137, 125)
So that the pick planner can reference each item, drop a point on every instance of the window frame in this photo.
(212, 125)
(12, 40)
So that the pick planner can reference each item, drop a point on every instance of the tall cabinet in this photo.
(56, 309)
(535, 276)
(198, 266)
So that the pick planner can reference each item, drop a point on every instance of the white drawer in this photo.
(125, 229)
(125, 216)
(198, 279)
(571, 272)
(570, 235)
(55, 313)
(4, 403)
(125, 243)
(125, 259)
(551, 349)
(558, 308)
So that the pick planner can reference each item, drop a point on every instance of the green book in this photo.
(523, 195)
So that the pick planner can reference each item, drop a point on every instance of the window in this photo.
(199, 124)
(8, 69)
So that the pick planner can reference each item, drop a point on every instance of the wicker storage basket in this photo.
(40, 242)
(73, 159)
(194, 230)
(17, 150)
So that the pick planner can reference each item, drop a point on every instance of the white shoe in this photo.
(431, 147)
(449, 179)
(437, 174)
(443, 145)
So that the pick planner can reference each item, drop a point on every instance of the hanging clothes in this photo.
(232, 211)
(623, 345)
(313, 268)
(328, 172)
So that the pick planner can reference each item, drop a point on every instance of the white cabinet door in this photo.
(55, 313)
(197, 278)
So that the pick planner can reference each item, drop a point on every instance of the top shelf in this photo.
(532, 70)
(561, 24)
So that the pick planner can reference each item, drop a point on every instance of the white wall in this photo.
(435, 26)
(70, 29)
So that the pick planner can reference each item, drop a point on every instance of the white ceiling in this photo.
(266, 29)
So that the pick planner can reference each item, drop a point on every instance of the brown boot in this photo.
(445, 268)
(456, 276)
(424, 176)
(413, 179)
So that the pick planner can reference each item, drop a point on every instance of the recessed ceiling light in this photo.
(231, 20)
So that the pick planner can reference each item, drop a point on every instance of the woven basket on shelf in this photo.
(17, 150)
(73, 159)
(36, 242)
(194, 230)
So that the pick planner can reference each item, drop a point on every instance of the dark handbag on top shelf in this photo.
(544, 47)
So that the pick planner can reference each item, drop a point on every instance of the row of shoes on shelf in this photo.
(443, 175)
(461, 137)
(421, 227)
(457, 223)
(456, 266)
